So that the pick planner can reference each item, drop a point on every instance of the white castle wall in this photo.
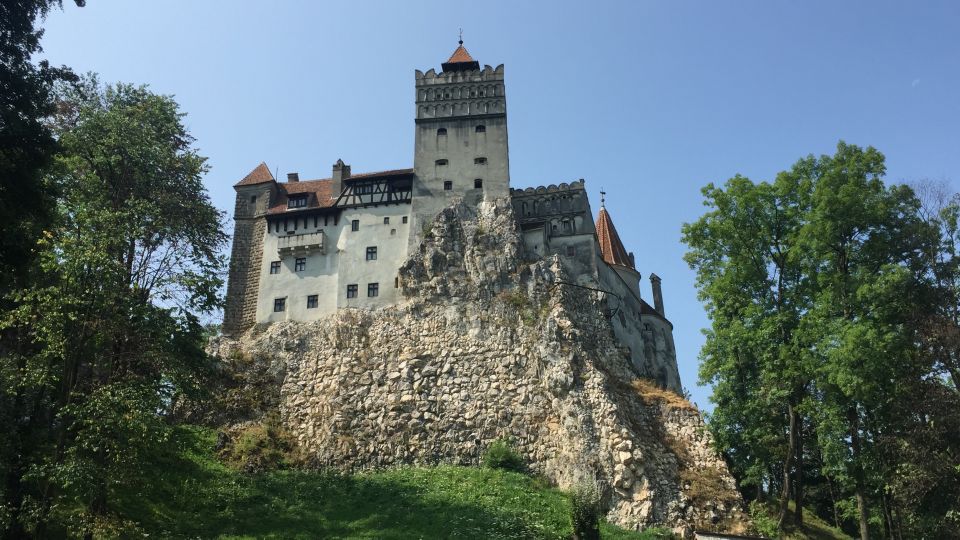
(342, 262)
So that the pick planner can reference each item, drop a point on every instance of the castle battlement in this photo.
(431, 77)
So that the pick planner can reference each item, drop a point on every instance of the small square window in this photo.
(300, 264)
(405, 219)
(481, 129)
(352, 291)
(312, 301)
(442, 131)
(253, 199)
(372, 253)
(477, 183)
(275, 267)
(571, 251)
(279, 304)
(373, 289)
(440, 162)
(480, 161)
(447, 185)
(386, 221)
(355, 225)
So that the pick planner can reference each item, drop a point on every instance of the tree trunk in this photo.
(854, 418)
(798, 479)
(788, 467)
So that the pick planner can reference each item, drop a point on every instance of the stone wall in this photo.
(486, 347)
(243, 283)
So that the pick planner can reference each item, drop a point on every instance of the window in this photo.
(440, 162)
(447, 185)
(279, 304)
(297, 202)
(566, 226)
(253, 199)
(481, 129)
(442, 131)
(372, 253)
(571, 251)
(405, 219)
(478, 183)
(373, 289)
(355, 225)
(396, 282)
(364, 189)
(300, 264)
(275, 267)
(386, 221)
(352, 291)
(480, 161)
(312, 301)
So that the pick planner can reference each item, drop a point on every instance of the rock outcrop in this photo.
(488, 347)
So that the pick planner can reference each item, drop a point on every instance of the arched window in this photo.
(441, 162)
(481, 129)
(442, 131)
(477, 183)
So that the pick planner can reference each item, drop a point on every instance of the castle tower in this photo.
(460, 146)
(254, 196)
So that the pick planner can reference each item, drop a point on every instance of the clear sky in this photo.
(648, 100)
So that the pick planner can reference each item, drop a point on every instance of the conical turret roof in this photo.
(460, 60)
(610, 245)
(259, 175)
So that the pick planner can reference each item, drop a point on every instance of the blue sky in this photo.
(648, 100)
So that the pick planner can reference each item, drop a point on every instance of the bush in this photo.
(259, 447)
(586, 511)
(501, 456)
(763, 522)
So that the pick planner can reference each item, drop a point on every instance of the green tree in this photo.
(749, 274)
(114, 316)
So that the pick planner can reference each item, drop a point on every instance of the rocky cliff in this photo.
(488, 346)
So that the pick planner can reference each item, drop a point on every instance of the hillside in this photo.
(193, 494)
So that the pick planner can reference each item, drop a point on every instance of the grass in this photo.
(813, 527)
(193, 495)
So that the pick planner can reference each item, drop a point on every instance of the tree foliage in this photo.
(111, 319)
(819, 286)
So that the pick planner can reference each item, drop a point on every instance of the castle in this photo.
(304, 249)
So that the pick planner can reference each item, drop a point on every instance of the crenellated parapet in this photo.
(467, 93)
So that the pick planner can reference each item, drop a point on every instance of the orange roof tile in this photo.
(259, 175)
(320, 192)
(610, 245)
(460, 56)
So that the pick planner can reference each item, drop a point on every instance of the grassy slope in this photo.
(194, 495)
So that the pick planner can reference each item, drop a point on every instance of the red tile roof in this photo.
(460, 56)
(610, 245)
(259, 175)
(320, 192)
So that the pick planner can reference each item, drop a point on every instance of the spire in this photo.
(610, 245)
(460, 60)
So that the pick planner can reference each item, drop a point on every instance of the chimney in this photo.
(657, 294)
(341, 172)
(293, 177)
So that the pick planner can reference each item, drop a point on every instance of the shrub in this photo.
(259, 447)
(501, 456)
(586, 511)
(763, 522)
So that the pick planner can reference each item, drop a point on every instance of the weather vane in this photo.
(603, 195)
(461, 36)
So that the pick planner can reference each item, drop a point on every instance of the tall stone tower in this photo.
(460, 148)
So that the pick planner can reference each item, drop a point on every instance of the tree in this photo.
(26, 144)
(821, 288)
(114, 319)
(749, 272)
